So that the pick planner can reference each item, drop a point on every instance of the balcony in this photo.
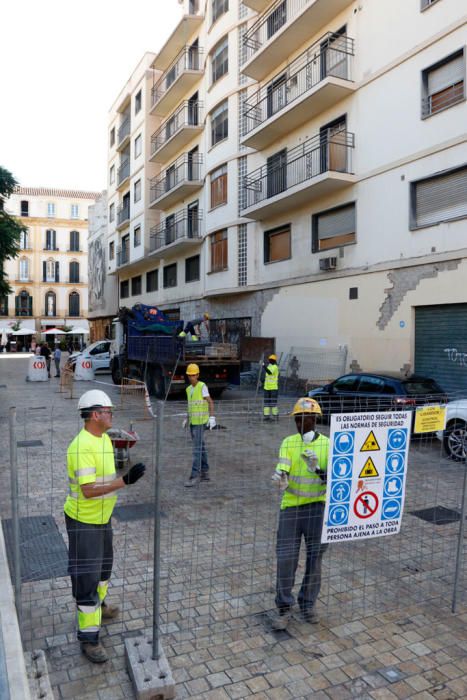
(256, 5)
(123, 174)
(318, 79)
(178, 79)
(123, 136)
(123, 215)
(177, 131)
(179, 180)
(123, 256)
(317, 168)
(286, 24)
(177, 40)
(176, 234)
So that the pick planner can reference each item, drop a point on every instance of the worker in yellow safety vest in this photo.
(88, 511)
(301, 474)
(200, 416)
(271, 388)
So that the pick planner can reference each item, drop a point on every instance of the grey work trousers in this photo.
(294, 523)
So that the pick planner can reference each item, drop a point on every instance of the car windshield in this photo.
(421, 386)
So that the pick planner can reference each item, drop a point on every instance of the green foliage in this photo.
(66, 329)
(16, 326)
(10, 229)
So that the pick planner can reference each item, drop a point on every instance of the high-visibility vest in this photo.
(198, 409)
(304, 486)
(271, 381)
(90, 459)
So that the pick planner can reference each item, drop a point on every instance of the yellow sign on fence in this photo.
(428, 419)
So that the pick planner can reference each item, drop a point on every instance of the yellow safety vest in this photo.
(304, 486)
(198, 409)
(271, 381)
(90, 459)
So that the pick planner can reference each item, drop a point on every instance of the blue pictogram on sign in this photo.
(391, 509)
(393, 486)
(338, 515)
(394, 463)
(341, 467)
(344, 442)
(340, 492)
(397, 439)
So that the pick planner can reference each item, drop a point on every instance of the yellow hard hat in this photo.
(192, 369)
(306, 405)
(272, 357)
(206, 316)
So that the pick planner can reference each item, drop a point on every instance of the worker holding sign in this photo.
(301, 473)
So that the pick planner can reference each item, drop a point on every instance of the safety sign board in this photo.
(366, 475)
(429, 419)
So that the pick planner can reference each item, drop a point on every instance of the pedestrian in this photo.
(271, 388)
(70, 347)
(45, 352)
(88, 511)
(301, 474)
(195, 327)
(57, 358)
(37, 351)
(200, 416)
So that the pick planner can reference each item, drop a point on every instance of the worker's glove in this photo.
(185, 422)
(311, 459)
(211, 423)
(323, 475)
(280, 480)
(135, 473)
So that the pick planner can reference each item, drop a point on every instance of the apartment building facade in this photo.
(312, 181)
(49, 278)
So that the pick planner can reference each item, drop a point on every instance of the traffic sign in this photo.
(341, 467)
(397, 439)
(338, 515)
(340, 492)
(393, 486)
(391, 509)
(366, 504)
(395, 463)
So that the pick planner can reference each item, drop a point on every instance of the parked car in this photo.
(98, 353)
(454, 437)
(376, 392)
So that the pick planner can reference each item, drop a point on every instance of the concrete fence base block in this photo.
(152, 679)
(38, 675)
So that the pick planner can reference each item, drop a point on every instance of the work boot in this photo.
(194, 338)
(266, 418)
(109, 612)
(281, 620)
(192, 481)
(94, 652)
(205, 476)
(310, 616)
(182, 334)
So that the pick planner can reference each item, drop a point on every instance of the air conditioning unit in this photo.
(328, 263)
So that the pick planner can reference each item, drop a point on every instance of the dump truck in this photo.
(147, 347)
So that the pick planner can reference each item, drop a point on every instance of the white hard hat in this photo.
(92, 398)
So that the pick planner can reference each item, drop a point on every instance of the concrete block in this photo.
(38, 675)
(152, 679)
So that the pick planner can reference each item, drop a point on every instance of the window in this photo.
(50, 271)
(111, 212)
(112, 174)
(334, 228)
(443, 84)
(219, 7)
(242, 255)
(427, 3)
(125, 289)
(50, 210)
(23, 304)
(138, 102)
(277, 244)
(74, 272)
(152, 281)
(136, 285)
(277, 19)
(50, 239)
(74, 241)
(346, 384)
(138, 145)
(111, 250)
(75, 211)
(24, 240)
(219, 251)
(24, 270)
(137, 191)
(219, 186)
(192, 269)
(371, 385)
(220, 60)
(50, 304)
(24, 208)
(277, 173)
(112, 137)
(73, 304)
(3, 305)
(137, 236)
(220, 123)
(170, 275)
(439, 198)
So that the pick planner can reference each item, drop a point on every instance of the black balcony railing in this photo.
(315, 157)
(188, 114)
(282, 12)
(123, 256)
(124, 171)
(185, 169)
(189, 58)
(185, 224)
(123, 213)
(124, 129)
(330, 56)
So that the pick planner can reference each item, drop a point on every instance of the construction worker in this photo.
(301, 474)
(88, 510)
(194, 327)
(200, 416)
(271, 388)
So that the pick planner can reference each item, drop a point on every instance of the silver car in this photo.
(454, 437)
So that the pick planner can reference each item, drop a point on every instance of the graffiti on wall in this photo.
(456, 356)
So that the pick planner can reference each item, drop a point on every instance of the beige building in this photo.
(49, 278)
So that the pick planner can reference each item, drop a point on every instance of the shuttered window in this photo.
(277, 244)
(219, 186)
(220, 60)
(334, 228)
(440, 198)
(219, 251)
(443, 84)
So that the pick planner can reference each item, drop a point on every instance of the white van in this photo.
(98, 353)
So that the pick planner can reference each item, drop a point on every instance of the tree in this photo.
(10, 229)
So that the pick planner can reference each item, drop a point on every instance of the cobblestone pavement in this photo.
(385, 631)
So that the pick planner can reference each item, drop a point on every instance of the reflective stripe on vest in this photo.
(271, 381)
(198, 409)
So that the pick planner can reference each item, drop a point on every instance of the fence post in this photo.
(460, 543)
(15, 511)
(157, 531)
